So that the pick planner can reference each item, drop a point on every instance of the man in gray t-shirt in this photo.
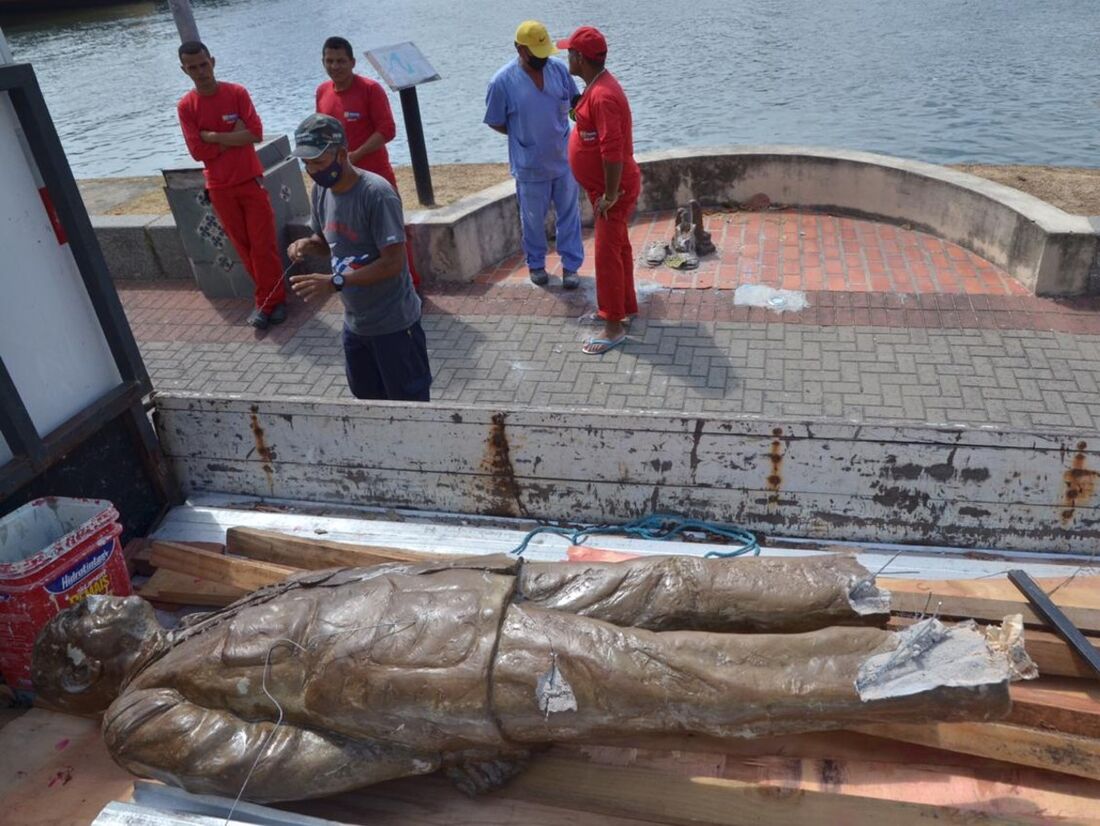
(357, 219)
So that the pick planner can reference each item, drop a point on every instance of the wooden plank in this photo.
(1054, 751)
(1058, 704)
(1049, 651)
(667, 798)
(56, 771)
(238, 573)
(184, 589)
(994, 599)
(433, 801)
(982, 786)
(313, 554)
(208, 516)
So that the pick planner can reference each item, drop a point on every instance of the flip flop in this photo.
(655, 253)
(604, 345)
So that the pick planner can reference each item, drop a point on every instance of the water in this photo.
(997, 81)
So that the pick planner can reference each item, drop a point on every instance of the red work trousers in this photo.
(387, 173)
(615, 296)
(245, 213)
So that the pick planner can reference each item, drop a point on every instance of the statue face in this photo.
(84, 653)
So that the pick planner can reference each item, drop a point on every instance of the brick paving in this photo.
(909, 328)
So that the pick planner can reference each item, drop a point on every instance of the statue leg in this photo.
(559, 677)
(669, 593)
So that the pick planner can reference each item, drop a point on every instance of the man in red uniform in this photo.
(361, 105)
(601, 155)
(221, 126)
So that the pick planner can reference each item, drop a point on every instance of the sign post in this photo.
(403, 66)
(185, 20)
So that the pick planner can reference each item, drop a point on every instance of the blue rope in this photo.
(656, 527)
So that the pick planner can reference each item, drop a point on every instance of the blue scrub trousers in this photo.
(535, 198)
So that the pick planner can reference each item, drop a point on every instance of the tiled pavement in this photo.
(900, 326)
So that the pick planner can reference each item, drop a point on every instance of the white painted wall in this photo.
(50, 339)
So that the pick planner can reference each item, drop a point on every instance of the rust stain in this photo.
(267, 455)
(504, 488)
(775, 458)
(1079, 484)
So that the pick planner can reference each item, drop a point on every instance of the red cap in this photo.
(588, 41)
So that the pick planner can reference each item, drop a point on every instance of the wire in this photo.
(659, 527)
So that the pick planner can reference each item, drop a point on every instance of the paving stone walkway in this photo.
(899, 327)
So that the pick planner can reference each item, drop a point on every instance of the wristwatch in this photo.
(338, 282)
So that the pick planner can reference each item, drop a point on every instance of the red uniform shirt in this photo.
(604, 132)
(363, 109)
(225, 165)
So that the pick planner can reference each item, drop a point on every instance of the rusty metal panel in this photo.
(940, 485)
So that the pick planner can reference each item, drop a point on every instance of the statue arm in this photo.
(157, 733)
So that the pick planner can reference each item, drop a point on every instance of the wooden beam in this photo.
(994, 599)
(1059, 704)
(313, 554)
(1052, 750)
(235, 572)
(667, 798)
(1049, 651)
(184, 589)
(878, 768)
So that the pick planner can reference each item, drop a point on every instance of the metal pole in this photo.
(418, 151)
(5, 52)
(185, 20)
(1044, 606)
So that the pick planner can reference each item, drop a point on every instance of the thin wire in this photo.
(279, 283)
(656, 527)
(278, 706)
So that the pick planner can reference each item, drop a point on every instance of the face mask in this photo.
(536, 63)
(328, 176)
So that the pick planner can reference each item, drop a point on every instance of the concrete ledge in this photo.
(832, 480)
(141, 247)
(457, 241)
(1049, 251)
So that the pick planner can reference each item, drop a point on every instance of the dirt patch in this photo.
(449, 183)
(1074, 189)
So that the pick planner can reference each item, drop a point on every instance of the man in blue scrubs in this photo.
(528, 100)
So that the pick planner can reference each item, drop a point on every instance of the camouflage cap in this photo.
(316, 135)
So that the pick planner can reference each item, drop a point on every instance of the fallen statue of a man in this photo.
(338, 679)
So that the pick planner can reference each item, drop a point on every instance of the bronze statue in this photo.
(703, 243)
(342, 678)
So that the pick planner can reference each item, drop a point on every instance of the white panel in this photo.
(5, 451)
(50, 339)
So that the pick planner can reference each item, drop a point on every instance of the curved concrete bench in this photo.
(1047, 250)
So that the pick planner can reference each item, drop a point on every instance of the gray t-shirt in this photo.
(357, 224)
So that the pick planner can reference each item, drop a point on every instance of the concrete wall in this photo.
(1048, 250)
(830, 480)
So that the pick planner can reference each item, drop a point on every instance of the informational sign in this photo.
(402, 66)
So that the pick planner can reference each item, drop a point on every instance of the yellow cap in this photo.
(533, 35)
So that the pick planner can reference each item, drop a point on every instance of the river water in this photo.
(998, 81)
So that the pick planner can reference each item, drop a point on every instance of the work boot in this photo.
(540, 277)
(258, 319)
(277, 314)
(570, 280)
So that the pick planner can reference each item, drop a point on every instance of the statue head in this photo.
(82, 655)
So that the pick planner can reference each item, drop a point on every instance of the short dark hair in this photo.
(193, 47)
(338, 43)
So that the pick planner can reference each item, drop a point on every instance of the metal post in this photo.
(418, 151)
(5, 52)
(185, 20)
